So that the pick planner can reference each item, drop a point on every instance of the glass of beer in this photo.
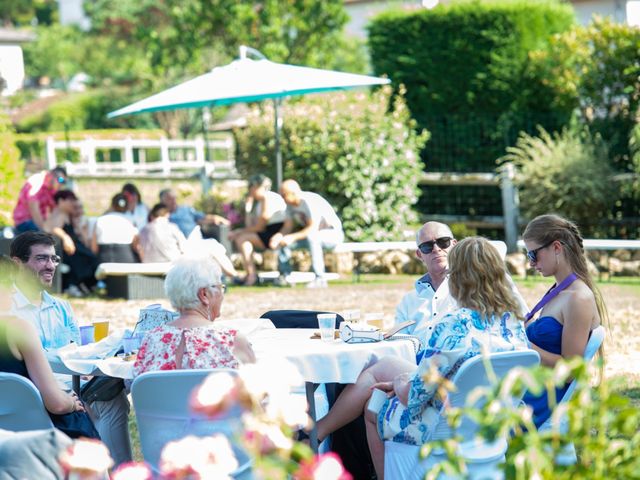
(375, 320)
(101, 329)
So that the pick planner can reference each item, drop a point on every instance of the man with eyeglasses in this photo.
(35, 200)
(34, 253)
(431, 299)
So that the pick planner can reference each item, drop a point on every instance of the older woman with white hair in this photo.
(192, 341)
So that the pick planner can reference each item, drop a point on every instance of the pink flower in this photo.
(218, 394)
(132, 471)
(198, 458)
(327, 466)
(86, 459)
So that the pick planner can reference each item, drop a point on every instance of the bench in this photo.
(358, 248)
(134, 280)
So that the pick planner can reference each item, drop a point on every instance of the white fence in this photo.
(175, 156)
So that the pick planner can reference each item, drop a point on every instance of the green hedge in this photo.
(466, 70)
(352, 148)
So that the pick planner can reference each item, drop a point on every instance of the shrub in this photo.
(11, 172)
(602, 425)
(464, 68)
(352, 148)
(567, 173)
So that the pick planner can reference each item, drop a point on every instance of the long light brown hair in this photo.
(478, 278)
(548, 228)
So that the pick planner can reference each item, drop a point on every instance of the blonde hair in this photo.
(478, 278)
(548, 228)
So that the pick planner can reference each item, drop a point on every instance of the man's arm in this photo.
(34, 211)
(68, 245)
(276, 240)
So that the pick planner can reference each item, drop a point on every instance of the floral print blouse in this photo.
(460, 335)
(204, 347)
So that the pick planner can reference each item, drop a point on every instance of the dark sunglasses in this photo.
(532, 255)
(442, 242)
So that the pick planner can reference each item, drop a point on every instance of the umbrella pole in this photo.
(278, 127)
(205, 182)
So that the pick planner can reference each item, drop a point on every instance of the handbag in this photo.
(75, 424)
(101, 389)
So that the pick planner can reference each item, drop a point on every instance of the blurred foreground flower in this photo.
(86, 459)
(218, 394)
(198, 458)
(322, 467)
(264, 438)
(132, 471)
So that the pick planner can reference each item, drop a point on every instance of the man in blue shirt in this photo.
(185, 217)
(35, 254)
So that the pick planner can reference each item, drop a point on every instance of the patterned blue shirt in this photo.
(460, 335)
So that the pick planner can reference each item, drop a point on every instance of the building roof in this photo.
(13, 36)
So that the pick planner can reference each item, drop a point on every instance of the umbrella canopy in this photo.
(248, 80)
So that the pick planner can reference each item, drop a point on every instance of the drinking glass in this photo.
(101, 329)
(327, 324)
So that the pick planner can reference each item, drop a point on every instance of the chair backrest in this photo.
(472, 374)
(593, 344)
(21, 406)
(161, 404)
(297, 318)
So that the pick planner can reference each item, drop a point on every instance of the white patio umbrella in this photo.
(248, 80)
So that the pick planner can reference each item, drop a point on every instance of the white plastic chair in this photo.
(161, 404)
(401, 461)
(21, 407)
(568, 454)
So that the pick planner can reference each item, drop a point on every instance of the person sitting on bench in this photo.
(318, 227)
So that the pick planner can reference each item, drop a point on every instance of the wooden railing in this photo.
(173, 156)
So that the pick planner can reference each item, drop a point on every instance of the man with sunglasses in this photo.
(430, 296)
(35, 200)
(431, 299)
(34, 253)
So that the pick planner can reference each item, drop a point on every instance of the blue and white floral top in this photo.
(460, 335)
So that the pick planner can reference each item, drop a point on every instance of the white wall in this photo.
(633, 13)
(72, 13)
(362, 13)
(11, 68)
(616, 9)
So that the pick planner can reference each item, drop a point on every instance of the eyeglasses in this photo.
(221, 286)
(55, 259)
(442, 242)
(532, 255)
(62, 180)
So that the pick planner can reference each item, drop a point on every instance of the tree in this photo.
(599, 66)
(57, 53)
(27, 12)
(165, 42)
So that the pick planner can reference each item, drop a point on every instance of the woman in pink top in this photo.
(192, 341)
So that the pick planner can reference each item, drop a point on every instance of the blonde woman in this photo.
(485, 320)
(560, 324)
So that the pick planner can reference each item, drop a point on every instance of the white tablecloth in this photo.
(317, 361)
(325, 362)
